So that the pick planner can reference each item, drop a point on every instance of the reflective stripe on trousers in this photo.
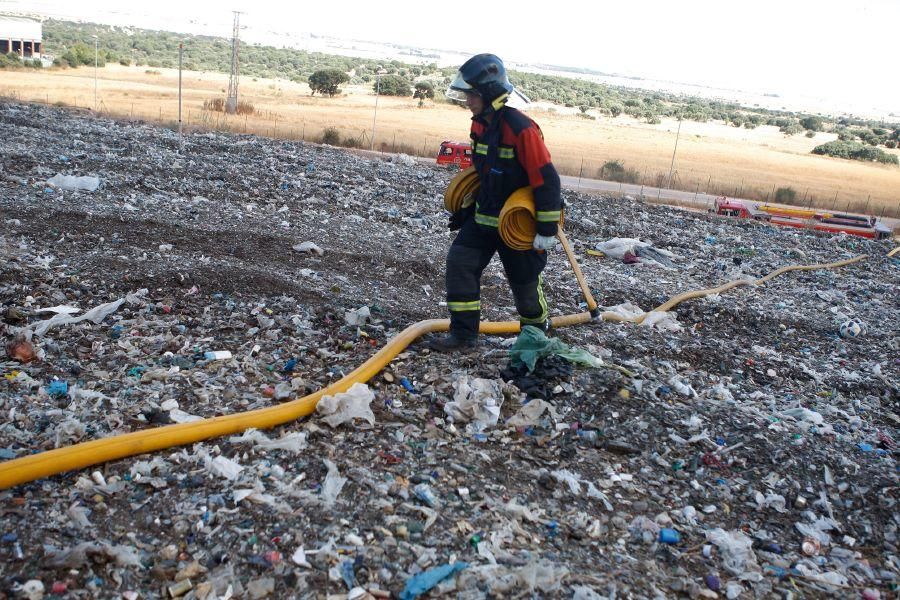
(469, 255)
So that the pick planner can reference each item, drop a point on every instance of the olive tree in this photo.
(326, 81)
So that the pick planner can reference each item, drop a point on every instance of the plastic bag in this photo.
(74, 183)
(346, 406)
(531, 413)
(333, 483)
(421, 583)
(533, 344)
(224, 467)
(737, 552)
(477, 400)
(358, 317)
(95, 315)
(82, 554)
(294, 441)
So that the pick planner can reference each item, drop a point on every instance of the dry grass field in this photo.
(711, 157)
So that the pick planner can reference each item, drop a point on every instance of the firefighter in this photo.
(509, 153)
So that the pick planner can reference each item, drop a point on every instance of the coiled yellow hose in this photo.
(517, 218)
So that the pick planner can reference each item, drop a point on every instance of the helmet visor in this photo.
(458, 89)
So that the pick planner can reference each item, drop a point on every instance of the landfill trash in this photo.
(347, 406)
(632, 250)
(308, 247)
(294, 441)
(851, 329)
(83, 554)
(95, 315)
(533, 344)
(217, 355)
(737, 553)
(33, 589)
(333, 484)
(84, 183)
(755, 417)
(477, 401)
(358, 317)
(21, 350)
(531, 413)
(425, 581)
(668, 535)
(223, 467)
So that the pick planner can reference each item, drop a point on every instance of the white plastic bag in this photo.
(476, 400)
(293, 442)
(737, 553)
(346, 406)
(531, 413)
(95, 315)
(333, 483)
(74, 183)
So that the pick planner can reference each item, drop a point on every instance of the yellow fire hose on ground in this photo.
(79, 456)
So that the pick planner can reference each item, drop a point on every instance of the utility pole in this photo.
(180, 56)
(672, 166)
(231, 101)
(95, 71)
(378, 75)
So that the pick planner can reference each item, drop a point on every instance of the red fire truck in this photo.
(455, 153)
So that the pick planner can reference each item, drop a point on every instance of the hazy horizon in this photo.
(681, 50)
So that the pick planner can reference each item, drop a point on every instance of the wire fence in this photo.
(703, 183)
(271, 124)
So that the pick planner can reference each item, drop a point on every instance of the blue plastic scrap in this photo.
(57, 388)
(668, 535)
(421, 583)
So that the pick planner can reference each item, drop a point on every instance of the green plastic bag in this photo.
(532, 344)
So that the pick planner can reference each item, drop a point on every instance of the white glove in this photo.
(544, 242)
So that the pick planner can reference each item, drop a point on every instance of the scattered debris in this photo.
(748, 451)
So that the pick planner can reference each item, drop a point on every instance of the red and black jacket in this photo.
(509, 154)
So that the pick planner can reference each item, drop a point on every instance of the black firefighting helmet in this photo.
(485, 75)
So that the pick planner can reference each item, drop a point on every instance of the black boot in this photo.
(452, 343)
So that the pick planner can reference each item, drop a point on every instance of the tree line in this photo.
(325, 73)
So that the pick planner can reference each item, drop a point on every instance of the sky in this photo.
(844, 51)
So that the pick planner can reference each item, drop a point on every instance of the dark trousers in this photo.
(469, 254)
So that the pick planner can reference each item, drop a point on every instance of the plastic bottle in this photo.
(424, 493)
(217, 355)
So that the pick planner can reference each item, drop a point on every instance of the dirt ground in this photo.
(749, 420)
(711, 157)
